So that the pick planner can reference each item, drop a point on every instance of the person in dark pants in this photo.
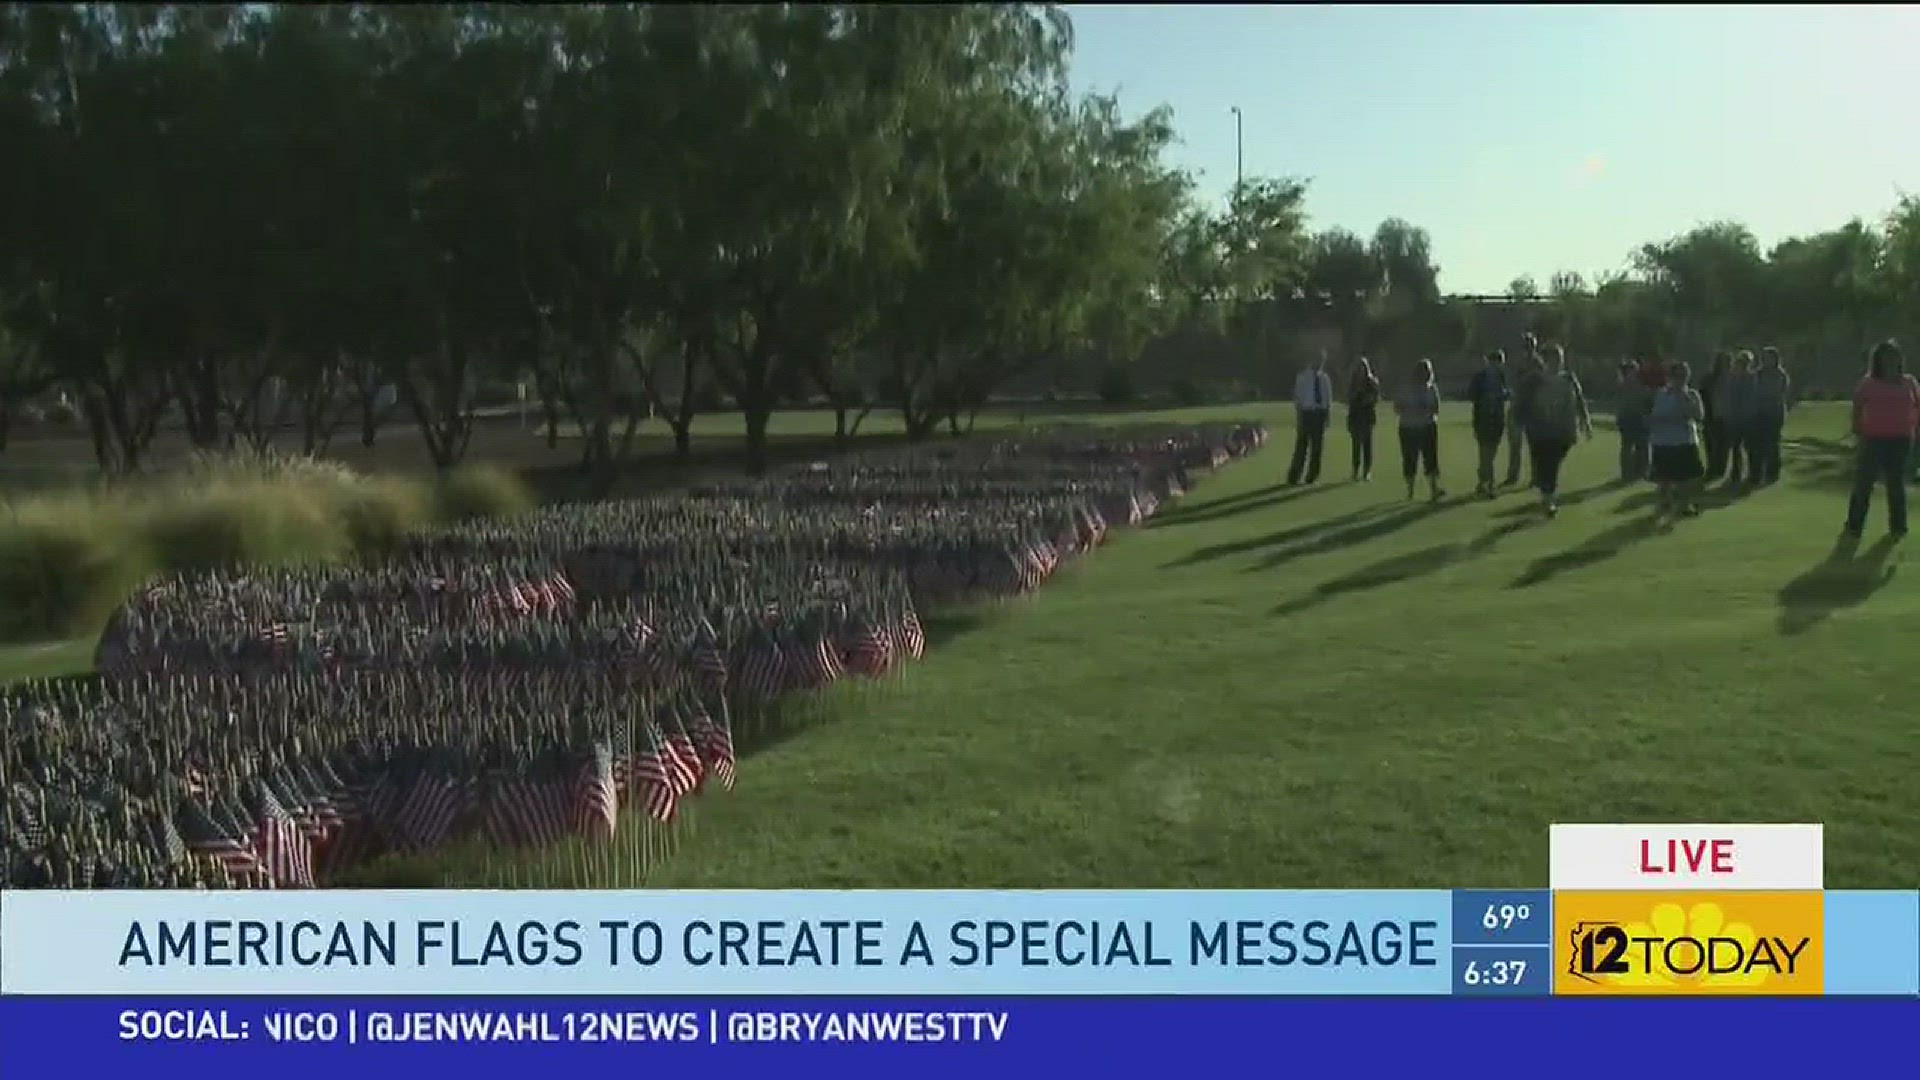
(1733, 406)
(1773, 396)
(1517, 413)
(1312, 405)
(1363, 402)
(1557, 417)
(1886, 411)
(1489, 394)
(1418, 403)
(1630, 416)
(1711, 432)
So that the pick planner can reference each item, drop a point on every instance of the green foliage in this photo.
(67, 559)
(63, 567)
(476, 491)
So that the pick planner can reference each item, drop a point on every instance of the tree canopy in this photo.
(250, 219)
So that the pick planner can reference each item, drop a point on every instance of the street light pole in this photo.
(1239, 150)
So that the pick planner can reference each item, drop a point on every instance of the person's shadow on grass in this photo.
(1597, 548)
(1277, 538)
(1846, 578)
(1401, 568)
(1370, 528)
(1259, 499)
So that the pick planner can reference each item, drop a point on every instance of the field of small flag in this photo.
(579, 674)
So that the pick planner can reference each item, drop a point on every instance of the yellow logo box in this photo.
(1689, 943)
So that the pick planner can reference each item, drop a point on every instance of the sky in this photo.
(1527, 140)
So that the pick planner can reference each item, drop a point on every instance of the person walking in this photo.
(1772, 398)
(1522, 385)
(1630, 414)
(1312, 404)
(1418, 405)
(1557, 417)
(1733, 407)
(1488, 392)
(1363, 401)
(1710, 432)
(1886, 411)
(1673, 433)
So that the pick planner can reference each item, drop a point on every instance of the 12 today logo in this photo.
(1689, 943)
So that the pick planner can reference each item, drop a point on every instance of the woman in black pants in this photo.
(1418, 404)
(1363, 399)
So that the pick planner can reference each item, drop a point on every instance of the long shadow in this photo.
(1571, 498)
(1597, 548)
(1846, 578)
(1639, 500)
(1360, 532)
(1233, 505)
(1283, 536)
(1401, 568)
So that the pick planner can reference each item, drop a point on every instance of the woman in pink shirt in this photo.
(1886, 410)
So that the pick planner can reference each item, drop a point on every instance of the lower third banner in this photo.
(288, 1038)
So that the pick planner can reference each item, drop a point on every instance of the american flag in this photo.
(231, 852)
(428, 813)
(653, 777)
(285, 853)
(818, 664)
(871, 651)
(598, 800)
(709, 664)
(276, 636)
(683, 757)
(715, 739)
(916, 637)
(527, 810)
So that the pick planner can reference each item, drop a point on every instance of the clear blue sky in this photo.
(1529, 140)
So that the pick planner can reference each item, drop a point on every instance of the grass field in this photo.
(1331, 687)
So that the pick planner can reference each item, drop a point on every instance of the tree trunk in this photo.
(757, 414)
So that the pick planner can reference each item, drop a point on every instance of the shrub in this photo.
(378, 513)
(475, 491)
(64, 566)
(239, 522)
(68, 559)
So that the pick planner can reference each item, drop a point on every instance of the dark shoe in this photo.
(1851, 532)
(1897, 534)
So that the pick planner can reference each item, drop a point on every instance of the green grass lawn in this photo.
(1331, 687)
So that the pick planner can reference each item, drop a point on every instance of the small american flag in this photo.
(916, 637)
(599, 800)
(285, 852)
(871, 651)
(654, 778)
(715, 741)
(683, 757)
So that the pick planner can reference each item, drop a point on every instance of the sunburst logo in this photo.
(1733, 943)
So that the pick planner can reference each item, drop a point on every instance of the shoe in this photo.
(1553, 508)
(1690, 511)
(1897, 534)
(1438, 495)
(1848, 532)
(1409, 489)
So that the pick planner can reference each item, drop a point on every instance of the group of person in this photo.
(1676, 432)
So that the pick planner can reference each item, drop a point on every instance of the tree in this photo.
(1523, 288)
(1405, 256)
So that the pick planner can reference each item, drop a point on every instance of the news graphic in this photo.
(235, 981)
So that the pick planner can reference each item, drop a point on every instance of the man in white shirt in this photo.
(1312, 405)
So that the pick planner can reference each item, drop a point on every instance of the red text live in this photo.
(1686, 857)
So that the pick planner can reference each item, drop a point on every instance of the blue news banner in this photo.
(213, 984)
